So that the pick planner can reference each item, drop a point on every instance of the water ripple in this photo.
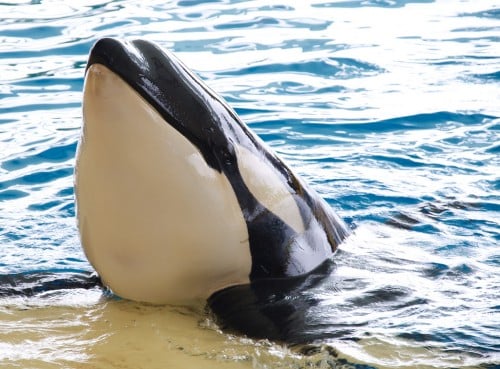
(370, 3)
(335, 68)
(389, 109)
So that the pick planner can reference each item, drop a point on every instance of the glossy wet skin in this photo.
(237, 215)
(131, 213)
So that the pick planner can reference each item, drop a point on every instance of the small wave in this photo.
(370, 3)
(337, 68)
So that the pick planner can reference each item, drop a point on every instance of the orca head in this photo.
(176, 197)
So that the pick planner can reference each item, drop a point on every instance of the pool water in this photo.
(390, 109)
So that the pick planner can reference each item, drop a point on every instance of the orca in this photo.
(177, 200)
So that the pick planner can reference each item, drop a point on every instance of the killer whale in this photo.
(177, 200)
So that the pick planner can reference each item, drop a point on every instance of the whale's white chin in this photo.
(156, 222)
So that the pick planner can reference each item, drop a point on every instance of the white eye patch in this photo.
(269, 188)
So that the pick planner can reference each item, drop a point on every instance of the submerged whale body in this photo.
(177, 200)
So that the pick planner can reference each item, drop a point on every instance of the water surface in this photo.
(389, 109)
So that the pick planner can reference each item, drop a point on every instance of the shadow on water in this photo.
(38, 283)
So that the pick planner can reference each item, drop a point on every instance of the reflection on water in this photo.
(388, 108)
(84, 330)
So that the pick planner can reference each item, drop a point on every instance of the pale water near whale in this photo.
(389, 109)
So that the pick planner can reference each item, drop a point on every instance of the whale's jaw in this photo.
(147, 224)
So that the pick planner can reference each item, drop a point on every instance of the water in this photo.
(389, 109)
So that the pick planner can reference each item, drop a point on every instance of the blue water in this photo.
(389, 109)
